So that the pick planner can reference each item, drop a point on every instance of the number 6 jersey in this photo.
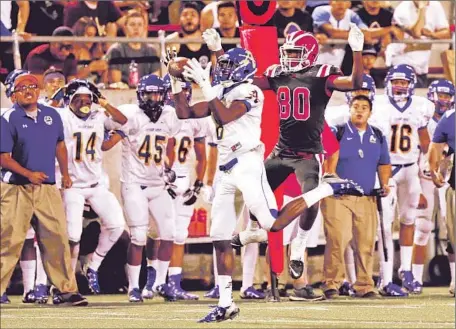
(144, 147)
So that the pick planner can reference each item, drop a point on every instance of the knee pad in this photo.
(181, 235)
(407, 220)
(423, 230)
(138, 235)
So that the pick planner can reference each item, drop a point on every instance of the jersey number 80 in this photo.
(296, 103)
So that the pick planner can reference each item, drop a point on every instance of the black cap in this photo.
(369, 50)
(63, 31)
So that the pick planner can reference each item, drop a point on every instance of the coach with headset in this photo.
(363, 155)
(31, 138)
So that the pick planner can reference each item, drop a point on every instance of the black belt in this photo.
(229, 165)
(404, 165)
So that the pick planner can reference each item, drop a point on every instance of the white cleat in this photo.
(147, 293)
(249, 236)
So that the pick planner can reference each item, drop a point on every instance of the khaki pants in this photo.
(450, 216)
(349, 218)
(18, 204)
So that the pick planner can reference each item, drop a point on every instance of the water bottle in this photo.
(133, 77)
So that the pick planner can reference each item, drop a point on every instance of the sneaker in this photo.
(214, 293)
(29, 297)
(174, 283)
(252, 293)
(4, 299)
(346, 289)
(408, 281)
(331, 294)
(249, 236)
(134, 296)
(92, 278)
(392, 290)
(343, 186)
(296, 268)
(147, 292)
(305, 294)
(41, 294)
(219, 314)
(164, 291)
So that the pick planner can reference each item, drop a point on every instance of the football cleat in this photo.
(252, 293)
(417, 288)
(408, 281)
(346, 289)
(134, 296)
(219, 314)
(165, 291)
(92, 278)
(41, 294)
(147, 292)
(305, 294)
(174, 284)
(29, 297)
(214, 293)
(249, 236)
(296, 268)
(4, 299)
(392, 290)
(343, 186)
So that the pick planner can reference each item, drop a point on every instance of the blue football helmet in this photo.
(235, 66)
(186, 88)
(400, 72)
(441, 86)
(151, 96)
(9, 81)
(368, 89)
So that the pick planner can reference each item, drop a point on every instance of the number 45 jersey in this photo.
(144, 147)
(402, 125)
(83, 139)
(302, 97)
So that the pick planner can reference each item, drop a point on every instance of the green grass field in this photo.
(433, 309)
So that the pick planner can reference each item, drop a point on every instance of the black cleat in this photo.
(296, 268)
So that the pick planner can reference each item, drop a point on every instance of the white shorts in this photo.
(102, 201)
(140, 201)
(290, 231)
(249, 176)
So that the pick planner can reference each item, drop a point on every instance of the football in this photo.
(176, 67)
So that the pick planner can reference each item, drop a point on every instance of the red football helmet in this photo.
(299, 51)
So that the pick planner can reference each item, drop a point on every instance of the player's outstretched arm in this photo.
(355, 80)
(425, 140)
(434, 158)
(185, 111)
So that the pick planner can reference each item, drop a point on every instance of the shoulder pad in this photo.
(325, 70)
(273, 71)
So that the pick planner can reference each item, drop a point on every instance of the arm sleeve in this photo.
(321, 16)
(384, 152)
(357, 20)
(441, 131)
(6, 134)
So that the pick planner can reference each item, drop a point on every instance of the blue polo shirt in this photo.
(445, 133)
(359, 156)
(31, 142)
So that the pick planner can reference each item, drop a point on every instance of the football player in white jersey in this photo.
(84, 134)
(236, 106)
(408, 116)
(441, 92)
(146, 178)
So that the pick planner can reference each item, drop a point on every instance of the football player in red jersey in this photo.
(303, 91)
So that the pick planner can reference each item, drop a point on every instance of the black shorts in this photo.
(280, 164)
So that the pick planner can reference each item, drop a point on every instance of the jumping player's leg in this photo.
(28, 266)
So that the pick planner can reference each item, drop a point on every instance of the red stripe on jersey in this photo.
(331, 78)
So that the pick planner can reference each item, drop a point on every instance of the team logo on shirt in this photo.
(373, 140)
(48, 120)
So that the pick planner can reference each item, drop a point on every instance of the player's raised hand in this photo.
(169, 54)
(355, 38)
(194, 71)
(212, 39)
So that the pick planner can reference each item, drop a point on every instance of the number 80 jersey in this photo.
(144, 147)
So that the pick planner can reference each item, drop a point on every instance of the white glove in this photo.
(176, 85)
(212, 39)
(355, 38)
(194, 71)
(207, 193)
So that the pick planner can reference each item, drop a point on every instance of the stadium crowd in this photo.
(400, 152)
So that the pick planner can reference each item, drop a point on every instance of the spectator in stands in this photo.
(121, 55)
(334, 20)
(45, 16)
(22, 18)
(209, 15)
(90, 52)
(106, 15)
(227, 17)
(311, 5)
(190, 28)
(369, 58)
(57, 54)
(420, 20)
(141, 6)
(53, 79)
(288, 18)
(353, 217)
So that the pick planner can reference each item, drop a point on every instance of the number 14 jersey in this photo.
(302, 98)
